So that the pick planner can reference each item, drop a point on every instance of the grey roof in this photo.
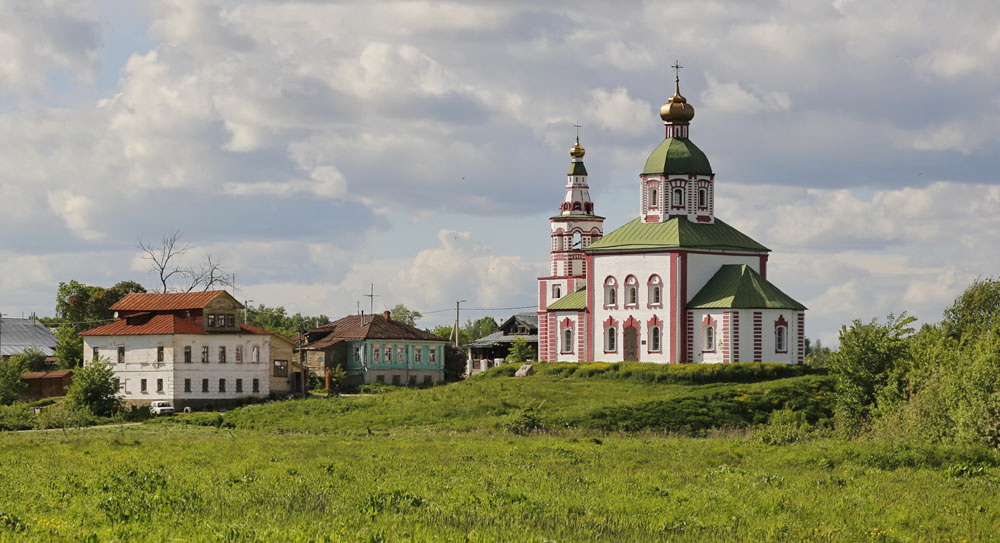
(528, 319)
(498, 337)
(19, 335)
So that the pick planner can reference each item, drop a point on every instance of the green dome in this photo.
(677, 155)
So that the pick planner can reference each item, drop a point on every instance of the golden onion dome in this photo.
(677, 110)
(577, 150)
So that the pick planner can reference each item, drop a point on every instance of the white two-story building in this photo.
(191, 349)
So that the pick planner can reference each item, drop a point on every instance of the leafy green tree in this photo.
(481, 328)
(80, 307)
(817, 355)
(405, 315)
(275, 319)
(520, 350)
(69, 346)
(94, 388)
(867, 367)
(11, 385)
(30, 359)
(976, 309)
(454, 363)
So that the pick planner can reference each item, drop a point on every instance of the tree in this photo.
(403, 314)
(81, 307)
(69, 346)
(520, 350)
(481, 327)
(166, 263)
(976, 309)
(817, 355)
(94, 388)
(869, 366)
(275, 319)
(11, 385)
(30, 359)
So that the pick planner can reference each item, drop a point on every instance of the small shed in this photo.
(46, 384)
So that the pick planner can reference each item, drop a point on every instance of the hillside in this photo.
(599, 397)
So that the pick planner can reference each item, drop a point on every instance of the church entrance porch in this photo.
(630, 344)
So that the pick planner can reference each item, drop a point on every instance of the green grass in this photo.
(604, 456)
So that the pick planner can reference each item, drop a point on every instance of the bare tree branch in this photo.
(164, 259)
(209, 275)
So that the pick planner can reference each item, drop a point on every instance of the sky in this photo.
(318, 148)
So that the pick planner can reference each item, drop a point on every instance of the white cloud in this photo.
(37, 37)
(76, 210)
(732, 97)
(616, 111)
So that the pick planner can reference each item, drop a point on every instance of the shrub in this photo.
(521, 422)
(94, 388)
(16, 417)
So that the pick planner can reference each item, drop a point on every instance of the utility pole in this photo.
(455, 329)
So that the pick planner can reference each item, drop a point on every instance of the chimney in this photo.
(387, 316)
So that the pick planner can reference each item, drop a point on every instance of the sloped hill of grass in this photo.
(598, 397)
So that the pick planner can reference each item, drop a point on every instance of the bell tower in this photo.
(677, 180)
(574, 228)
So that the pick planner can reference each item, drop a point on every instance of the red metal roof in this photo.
(153, 324)
(137, 301)
(366, 327)
(149, 325)
(59, 374)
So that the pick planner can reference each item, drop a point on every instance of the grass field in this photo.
(448, 464)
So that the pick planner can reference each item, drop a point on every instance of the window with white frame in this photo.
(556, 292)
(610, 337)
(418, 355)
(708, 338)
(204, 354)
(432, 355)
(654, 339)
(781, 339)
(255, 354)
(567, 340)
(631, 291)
(678, 197)
(239, 354)
(702, 198)
(610, 292)
(400, 354)
(655, 290)
(377, 353)
(652, 198)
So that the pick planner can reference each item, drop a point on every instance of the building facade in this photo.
(191, 349)
(674, 285)
(376, 349)
(492, 350)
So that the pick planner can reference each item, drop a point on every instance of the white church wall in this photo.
(642, 266)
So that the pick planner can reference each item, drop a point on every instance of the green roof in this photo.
(578, 216)
(577, 168)
(677, 155)
(677, 232)
(738, 286)
(576, 301)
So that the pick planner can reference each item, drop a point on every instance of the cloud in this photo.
(618, 112)
(38, 38)
(731, 97)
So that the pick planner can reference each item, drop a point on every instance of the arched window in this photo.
(709, 338)
(577, 239)
(654, 339)
(577, 206)
(781, 339)
(652, 198)
(567, 340)
(702, 198)
(631, 291)
(678, 197)
(655, 290)
(556, 292)
(610, 292)
(609, 339)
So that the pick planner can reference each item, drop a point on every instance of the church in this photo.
(674, 285)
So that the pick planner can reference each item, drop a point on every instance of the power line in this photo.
(477, 309)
